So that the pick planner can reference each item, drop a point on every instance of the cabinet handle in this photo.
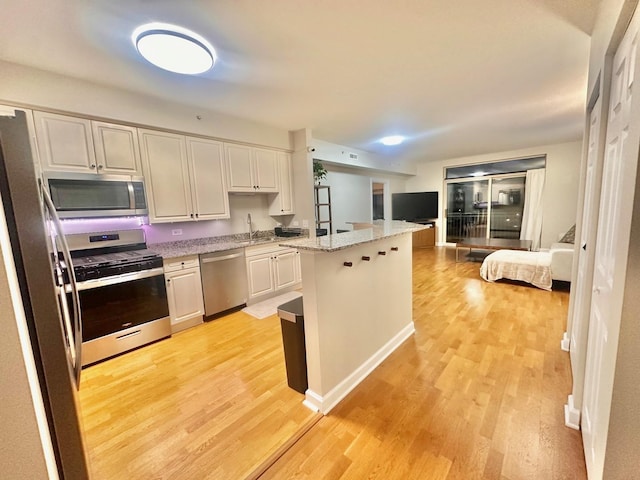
(93, 165)
(394, 249)
(382, 253)
(192, 215)
(348, 264)
(196, 215)
(366, 259)
(168, 280)
(100, 167)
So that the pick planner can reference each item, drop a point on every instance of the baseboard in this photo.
(571, 414)
(565, 343)
(324, 404)
(190, 322)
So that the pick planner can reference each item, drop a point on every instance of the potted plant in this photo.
(319, 172)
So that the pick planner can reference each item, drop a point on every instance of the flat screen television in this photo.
(414, 207)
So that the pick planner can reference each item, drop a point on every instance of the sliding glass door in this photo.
(507, 204)
(487, 208)
(466, 209)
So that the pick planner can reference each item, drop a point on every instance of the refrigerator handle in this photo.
(66, 254)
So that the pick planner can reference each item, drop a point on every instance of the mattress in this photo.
(523, 266)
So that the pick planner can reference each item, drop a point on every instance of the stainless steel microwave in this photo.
(77, 195)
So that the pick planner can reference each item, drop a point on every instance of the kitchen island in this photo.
(357, 294)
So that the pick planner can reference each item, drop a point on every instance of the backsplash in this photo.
(240, 205)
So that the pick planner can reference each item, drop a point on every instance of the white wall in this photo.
(351, 193)
(30, 87)
(561, 183)
(339, 154)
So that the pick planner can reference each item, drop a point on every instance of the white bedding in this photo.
(530, 267)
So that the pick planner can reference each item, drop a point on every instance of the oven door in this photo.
(123, 312)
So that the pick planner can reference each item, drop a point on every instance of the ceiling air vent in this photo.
(353, 156)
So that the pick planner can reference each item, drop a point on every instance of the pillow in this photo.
(570, 236)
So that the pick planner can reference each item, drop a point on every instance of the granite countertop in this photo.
(199, 246)
(340, 241)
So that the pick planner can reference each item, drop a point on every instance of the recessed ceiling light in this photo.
(392, 140)
(174, 48)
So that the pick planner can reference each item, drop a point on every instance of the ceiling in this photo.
(456, 77)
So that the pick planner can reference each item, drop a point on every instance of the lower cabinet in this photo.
(271, 269)
(184, 292)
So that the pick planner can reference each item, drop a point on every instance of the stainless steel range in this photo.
(123, 297)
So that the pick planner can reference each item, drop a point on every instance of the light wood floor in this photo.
(477, 393)
(212, 402)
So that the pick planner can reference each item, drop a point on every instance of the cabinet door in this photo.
(65, 143)
(259, 275)
(238, 161)
(164, 163)
(265, 164)
(116, 147)
(282, 204)
(184, 293)
(285, 270)
(208, 182)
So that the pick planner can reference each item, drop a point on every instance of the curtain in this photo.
(532, 214)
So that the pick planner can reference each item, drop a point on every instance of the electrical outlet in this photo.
(296, 223)
(176, 231)
(305, 223)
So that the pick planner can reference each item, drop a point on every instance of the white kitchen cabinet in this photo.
(284, 268)
(65, 143)
(282, 203)
(251, 169)
(185, 177)
(271, 268)
(73, 144)
(184, 292)
(116, 148)
(210, 199)
(260, 275)
(166, 173)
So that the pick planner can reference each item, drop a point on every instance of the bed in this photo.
(529, 267)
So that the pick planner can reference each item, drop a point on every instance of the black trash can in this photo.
(295, 355)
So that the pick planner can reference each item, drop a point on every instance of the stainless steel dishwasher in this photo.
(224, 280)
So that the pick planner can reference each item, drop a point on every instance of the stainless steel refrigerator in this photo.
(47, 290)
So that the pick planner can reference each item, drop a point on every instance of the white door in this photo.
(208, 182)
(583, 285)
(164, 162)
(612, 246)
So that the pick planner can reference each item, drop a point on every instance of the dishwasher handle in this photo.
(221, 258)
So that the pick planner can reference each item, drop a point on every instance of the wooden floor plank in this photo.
(477, 392)
(211, 402)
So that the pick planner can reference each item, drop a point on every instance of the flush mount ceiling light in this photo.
(392, 140)
(174, 48)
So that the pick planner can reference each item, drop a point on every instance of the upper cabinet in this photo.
(116, 148)
(251, 169)
(185, 177)
(73, 144)
(208, 179)
(282, 204)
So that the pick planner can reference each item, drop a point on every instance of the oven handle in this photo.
(127, 277)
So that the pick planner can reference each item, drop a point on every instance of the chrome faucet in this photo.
(250, 228)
